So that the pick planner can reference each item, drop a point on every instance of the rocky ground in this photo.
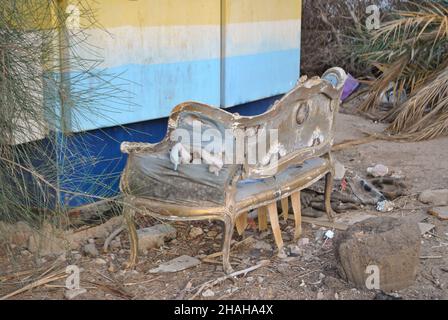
(309, 273)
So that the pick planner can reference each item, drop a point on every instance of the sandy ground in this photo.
(312, 275)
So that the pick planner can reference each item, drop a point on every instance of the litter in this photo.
(177, 264)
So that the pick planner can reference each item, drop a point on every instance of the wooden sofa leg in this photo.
(133, 238)
(297, 208)
(229, 225)
(241, 223)
(328, 190)
(262, 219)
(285, 208)
(273, 215)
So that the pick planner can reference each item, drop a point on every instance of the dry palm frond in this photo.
(425, 114)
(411, 52)
(410, 48)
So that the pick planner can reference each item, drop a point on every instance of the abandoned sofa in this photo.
(213, 164)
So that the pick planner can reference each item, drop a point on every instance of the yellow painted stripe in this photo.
(146, 13)
(240, 11)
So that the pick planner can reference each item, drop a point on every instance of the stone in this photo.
(295, 250)
(425, 227)
(91, 250)
(303, 242)
(73, 293)
(320, 295)
(155, 236)
(378, 171)
(435, 197)
(392, 245)
(100, 261)
(385, 206)
(115, 244)
(112, 268)
(440, 212)
(261, 245)
(334, 283)
(195, 232)
(48, 241)
(177, 264)
(212, 234)
(208, 293)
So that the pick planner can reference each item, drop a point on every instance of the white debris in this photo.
(175, 265)
(385, 206)
(329, 234)
(378, 171)
(208, 293)
(179, 155)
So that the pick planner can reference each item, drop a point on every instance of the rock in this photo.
(177, 264)
(303, 242)
(75, 239)
(384, 296)
(425, 227)
(320, 234)
(91, 250)
(435, 197)
(112, 268)
(260, 280)
(339, 170)
(261, 245)
(295, 250)
(334, 283)
(378, 171)
(208, 293)
(250, 279)
(385, 206)
(155, 236)
(212, 234)
(100, 261)
(71, 294)
(320, 295)
(48, 241)
(91, 241)
(282, 255)
(389, 244)
(25, 253)
(195, 232)
(439, 212)
(115, 244)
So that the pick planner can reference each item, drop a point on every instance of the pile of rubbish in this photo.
(352, 192)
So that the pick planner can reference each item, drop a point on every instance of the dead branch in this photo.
(212, 283)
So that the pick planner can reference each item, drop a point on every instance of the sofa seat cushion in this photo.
(251, 193)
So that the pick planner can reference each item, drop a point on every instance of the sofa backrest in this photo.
(296, 128)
